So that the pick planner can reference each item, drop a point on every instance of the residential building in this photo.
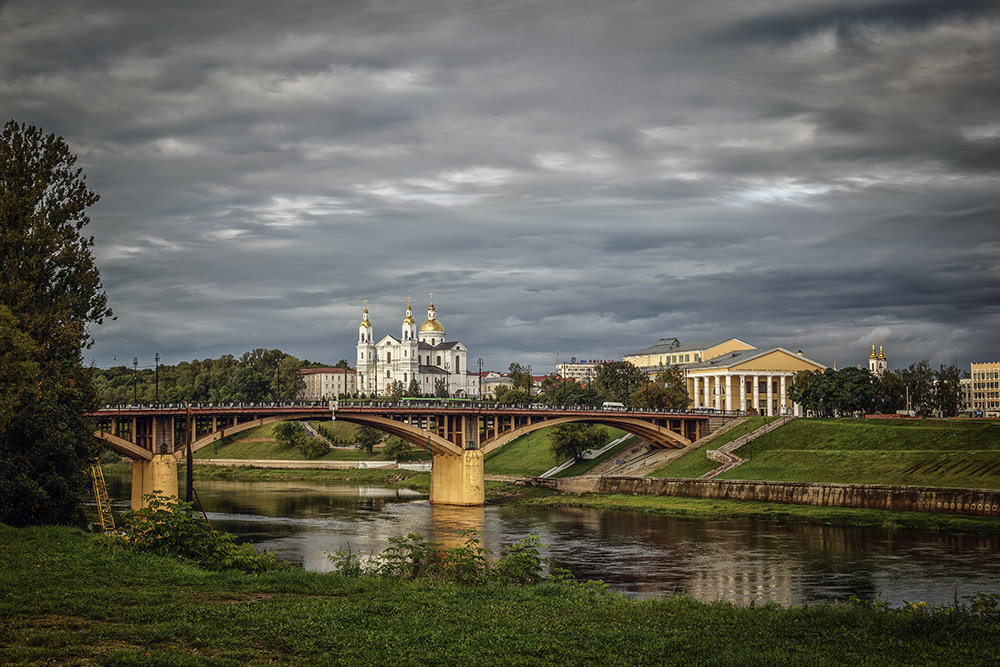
(325, 384)
(986, 389)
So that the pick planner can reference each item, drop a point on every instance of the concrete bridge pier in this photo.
(159, 474)
(458, 480)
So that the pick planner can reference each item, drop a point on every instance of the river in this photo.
(639, 555)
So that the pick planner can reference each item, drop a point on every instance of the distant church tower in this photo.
(366, 354)
(877, 363)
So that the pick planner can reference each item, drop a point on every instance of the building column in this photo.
(782, 399)
(729, 392)
(717, 393)
(770, 396)
(756, 392)
(743, 392)
(694, 392)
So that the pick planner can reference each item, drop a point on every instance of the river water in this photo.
(637, 554)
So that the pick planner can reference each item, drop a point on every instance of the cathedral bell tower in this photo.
(366, 354)
(877, 363)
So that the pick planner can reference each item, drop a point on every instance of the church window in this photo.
(457, 369)
(388, 375)
(388, 357)
(439, 360)
(404, 378)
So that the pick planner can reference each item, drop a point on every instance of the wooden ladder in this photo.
(101, 497)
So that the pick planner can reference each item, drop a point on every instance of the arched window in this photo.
(439, 360)
(457, 369)
(388, 357)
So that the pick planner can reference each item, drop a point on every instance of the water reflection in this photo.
(641, 555)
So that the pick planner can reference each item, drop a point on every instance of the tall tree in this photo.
(572, 440)
(616, 380)
(52, 293)
(948, 390)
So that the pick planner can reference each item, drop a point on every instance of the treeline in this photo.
(259, 375)
(618, 381)
(851, 391)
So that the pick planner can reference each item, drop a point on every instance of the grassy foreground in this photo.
(68, 601)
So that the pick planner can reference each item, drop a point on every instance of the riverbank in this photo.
(514, 493)
(704, 508)
(69, 601)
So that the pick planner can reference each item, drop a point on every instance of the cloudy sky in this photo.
(565, 175)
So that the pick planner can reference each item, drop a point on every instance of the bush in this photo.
(171, 528)
(413, 557)
(395, 448)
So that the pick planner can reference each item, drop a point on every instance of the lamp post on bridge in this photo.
(157, 390)
(135, 379)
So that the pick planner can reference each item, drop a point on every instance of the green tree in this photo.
(948, 390)
(616, 380)
(852, 391)
(51, 293)
(667, 392)
(440, 388)
(367, 437)
(395, 447)
(918, 387)
(520, 377)
(571, 440)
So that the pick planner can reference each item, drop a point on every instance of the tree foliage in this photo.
(667, 392)
(367, 437)
(572, 440)
(257, 376)
(616, 380)
(50, 294)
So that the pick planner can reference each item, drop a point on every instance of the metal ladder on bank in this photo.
(101, 497)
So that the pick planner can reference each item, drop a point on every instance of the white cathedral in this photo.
(421, 354)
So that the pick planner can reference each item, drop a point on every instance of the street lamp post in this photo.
(135, 380)
(157, 390)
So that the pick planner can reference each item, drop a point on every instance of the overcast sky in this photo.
(575, 176)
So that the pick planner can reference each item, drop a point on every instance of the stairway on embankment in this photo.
(725, 455)
(641, 459)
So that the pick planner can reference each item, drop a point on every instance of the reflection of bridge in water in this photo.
(457, 436)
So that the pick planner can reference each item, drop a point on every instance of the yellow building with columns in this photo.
(728, 373)
(748, 380)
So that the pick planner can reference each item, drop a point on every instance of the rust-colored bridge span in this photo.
(457, 435)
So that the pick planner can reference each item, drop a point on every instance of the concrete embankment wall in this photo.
(978, 502)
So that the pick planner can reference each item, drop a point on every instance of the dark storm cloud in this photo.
(582, 177)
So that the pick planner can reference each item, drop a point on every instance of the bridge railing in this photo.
(441, 403)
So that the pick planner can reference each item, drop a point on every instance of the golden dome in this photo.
(431, 325)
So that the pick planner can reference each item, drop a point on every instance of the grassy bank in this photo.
(703, 508)
(68, 601)
(932, 452)
(693, 463)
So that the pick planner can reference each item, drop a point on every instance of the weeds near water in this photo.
(413, 557)
(171, 528)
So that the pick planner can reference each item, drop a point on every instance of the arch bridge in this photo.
(456, 435)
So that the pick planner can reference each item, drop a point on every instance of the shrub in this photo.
(169, 527)
(396, 448)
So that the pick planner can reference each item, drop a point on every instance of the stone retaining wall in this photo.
(977, 502)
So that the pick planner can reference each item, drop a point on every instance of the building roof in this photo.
(738, 357)
(672, 346)
(311, 371)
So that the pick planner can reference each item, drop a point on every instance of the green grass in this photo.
(529, 455)
(259, 443)
(583, 467)
(932, 452)
(940, 453)
(693, 464)
(68, 601)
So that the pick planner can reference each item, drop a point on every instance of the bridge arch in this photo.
(658, 436)
(417, 437)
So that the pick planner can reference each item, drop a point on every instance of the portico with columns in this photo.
(748, 380)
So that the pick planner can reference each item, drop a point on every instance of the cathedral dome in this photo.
(431, 323)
